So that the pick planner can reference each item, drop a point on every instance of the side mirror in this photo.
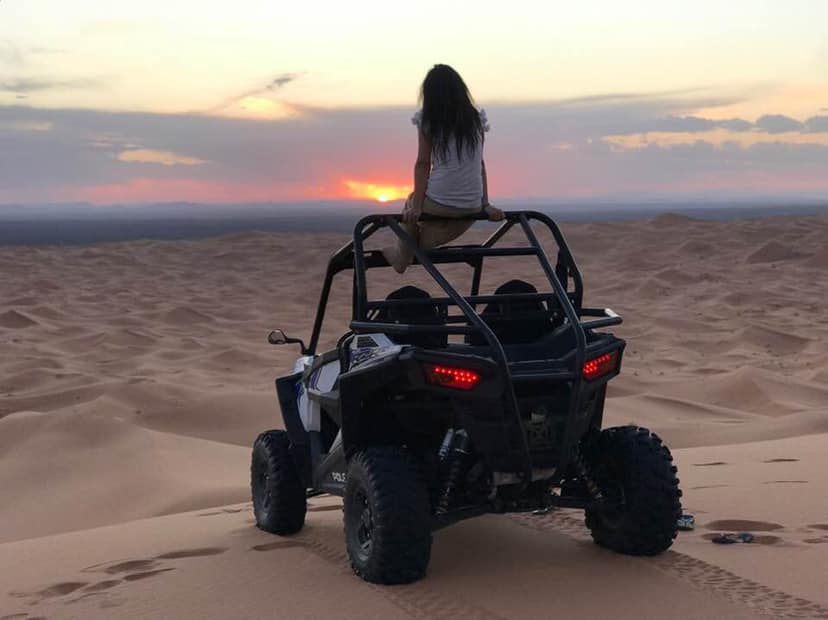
(277, 336)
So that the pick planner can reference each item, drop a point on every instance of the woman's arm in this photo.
(422, 168)
(485, 184)
(494, 213)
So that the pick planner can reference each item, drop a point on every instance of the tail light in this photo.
(600, 366)
(451, 377)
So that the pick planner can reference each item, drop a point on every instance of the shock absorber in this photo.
(445, 447)
(459, 461)
(583, 472)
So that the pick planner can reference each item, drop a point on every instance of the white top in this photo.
(453, 181)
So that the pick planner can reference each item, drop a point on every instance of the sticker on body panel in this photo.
(370, 349)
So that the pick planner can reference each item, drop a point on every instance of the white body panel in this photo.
(365, 350)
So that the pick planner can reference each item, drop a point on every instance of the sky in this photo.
(258, 101)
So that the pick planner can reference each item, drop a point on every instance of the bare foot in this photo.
(495, 214)
(392, 256)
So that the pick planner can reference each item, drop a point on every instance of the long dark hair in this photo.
(449, 112)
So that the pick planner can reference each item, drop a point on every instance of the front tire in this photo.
(279, 498)
(635, 472)
(387, 516)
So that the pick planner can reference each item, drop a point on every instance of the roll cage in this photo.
(577, 318)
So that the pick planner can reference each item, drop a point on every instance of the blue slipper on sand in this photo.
(686, 522)
(729, 539)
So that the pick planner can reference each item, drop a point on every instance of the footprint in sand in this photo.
(280, 544)
(811, 541)
(52, 591)
(786, 482)
(101, 585)
(145, 574)
(59, 589)
(191, 553)
(760, 539)
(221, 512)
(710, 486)
(819, 526)
(743, 525)
(127, 570)
(746, 525)
(711, 464)
(781, 461)
(128, 566)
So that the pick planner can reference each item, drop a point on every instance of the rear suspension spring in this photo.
(583, 473)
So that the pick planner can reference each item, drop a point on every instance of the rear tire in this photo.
(387, 516)
(632, 466)
(279, 501)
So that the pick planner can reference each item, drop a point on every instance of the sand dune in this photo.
(12, 319)
(134, 376)
(772, 252)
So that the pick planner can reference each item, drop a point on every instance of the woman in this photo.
(450, 175)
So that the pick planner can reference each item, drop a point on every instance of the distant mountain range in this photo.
(79, 223)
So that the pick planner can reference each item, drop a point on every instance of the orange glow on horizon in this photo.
(376, 191)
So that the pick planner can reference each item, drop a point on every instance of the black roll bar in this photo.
(510, 400)
(353, 256)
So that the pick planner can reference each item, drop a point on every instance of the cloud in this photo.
(718, 138)
(683, 124)
(257, 102)
(817, 123)
(689, 97)
(33, 85)
(312, 154)
(25, 125)
(778, 123)
(735, 124)
(164, 158)
(10, 54)
(690, 124)
(281, 80)
(14, 55)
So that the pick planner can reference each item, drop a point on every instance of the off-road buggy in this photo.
(417, 433)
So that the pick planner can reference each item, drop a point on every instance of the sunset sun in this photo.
(375, 191)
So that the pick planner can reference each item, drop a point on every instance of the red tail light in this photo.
(600, 366)
(447, 376)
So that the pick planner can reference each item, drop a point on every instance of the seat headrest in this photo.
(415, 314)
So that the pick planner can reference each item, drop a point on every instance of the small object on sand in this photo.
(686, 522)
(729, 539)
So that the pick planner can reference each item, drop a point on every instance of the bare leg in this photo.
(433, 233)
(398, 255)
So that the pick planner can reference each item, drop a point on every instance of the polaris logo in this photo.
(339, 476)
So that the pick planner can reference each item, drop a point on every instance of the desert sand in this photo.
(134, 377)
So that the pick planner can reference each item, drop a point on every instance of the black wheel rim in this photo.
(364, 526)
(613, 509)
(261, 476)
